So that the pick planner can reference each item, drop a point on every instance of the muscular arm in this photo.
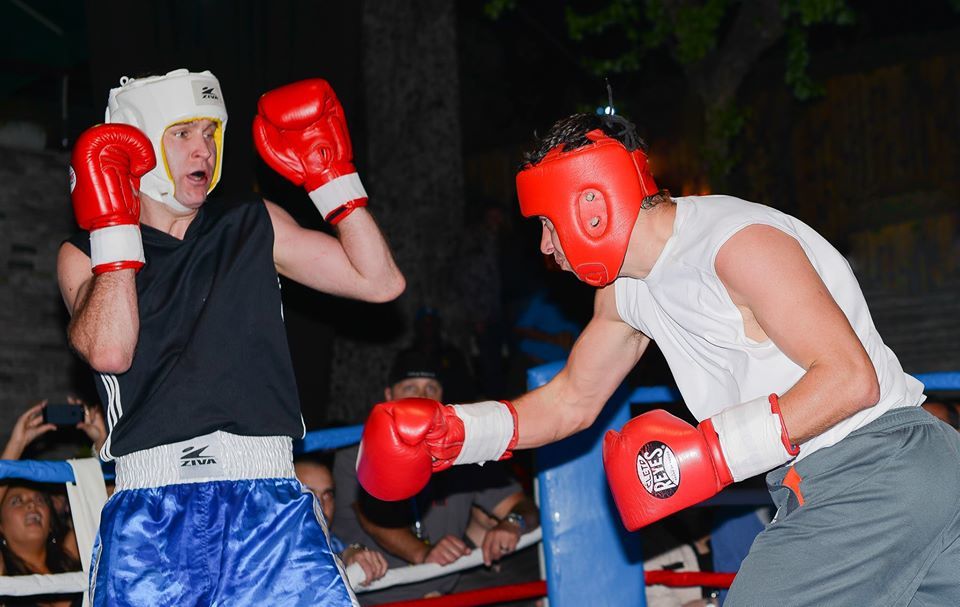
(104, 324)
(769, 276)
(358, 264)
(605, 352)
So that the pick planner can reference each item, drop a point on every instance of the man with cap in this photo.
(772, 346)
(459, 510)
(175, 304)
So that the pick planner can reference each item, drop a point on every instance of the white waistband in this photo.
(217, 456)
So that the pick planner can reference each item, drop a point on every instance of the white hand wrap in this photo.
(116, 243)
(334, 194)
(487, 430)
(751, 437)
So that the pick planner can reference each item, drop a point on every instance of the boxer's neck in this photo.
(650, 234)
(162, 217)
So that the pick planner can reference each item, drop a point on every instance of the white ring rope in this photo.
(418, 573)
(51, 583)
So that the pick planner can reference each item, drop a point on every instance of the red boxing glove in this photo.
(659, 464)
(105, 169)
(405, 441)
(300, 131)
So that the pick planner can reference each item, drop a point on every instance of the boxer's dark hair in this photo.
(571, 133)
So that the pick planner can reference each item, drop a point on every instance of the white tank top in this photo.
(683, 306)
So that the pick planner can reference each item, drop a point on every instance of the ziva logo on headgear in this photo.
(205, 93)
(658, 470)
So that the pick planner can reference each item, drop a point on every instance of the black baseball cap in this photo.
(411, 363)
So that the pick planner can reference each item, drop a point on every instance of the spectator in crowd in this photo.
(34, 538)
(433, 526)
(544, 332)
(314, 471)
(544, 322)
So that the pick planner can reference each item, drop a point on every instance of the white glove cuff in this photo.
(751, 437)
(334, 194)
(487, 431)
(116, 243)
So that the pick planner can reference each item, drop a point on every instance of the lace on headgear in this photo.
(617, 126)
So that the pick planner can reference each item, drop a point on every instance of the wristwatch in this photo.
(516, 519)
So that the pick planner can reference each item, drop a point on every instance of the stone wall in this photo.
(35, 217)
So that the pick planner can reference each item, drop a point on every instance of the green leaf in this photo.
(696, 30)
(494, 9)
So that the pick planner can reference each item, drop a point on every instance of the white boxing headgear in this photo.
(153, 104)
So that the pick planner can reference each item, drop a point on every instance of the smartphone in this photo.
(62, 414)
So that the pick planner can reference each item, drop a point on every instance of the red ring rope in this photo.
(531, 590)
(484, 596)
(689, 578)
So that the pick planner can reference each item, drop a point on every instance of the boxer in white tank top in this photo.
(766, 330)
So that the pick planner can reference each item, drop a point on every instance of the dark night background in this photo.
(441, 101)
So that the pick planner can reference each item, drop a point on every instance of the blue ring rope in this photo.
(334, 438)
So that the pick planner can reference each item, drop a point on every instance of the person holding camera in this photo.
(33, 423)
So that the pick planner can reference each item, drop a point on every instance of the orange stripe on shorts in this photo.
(792, 481)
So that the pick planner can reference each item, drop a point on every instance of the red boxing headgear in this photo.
(592, 195)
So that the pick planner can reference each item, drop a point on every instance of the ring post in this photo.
(590, 559)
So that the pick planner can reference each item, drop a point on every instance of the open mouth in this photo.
(33, 518)
(198, 177)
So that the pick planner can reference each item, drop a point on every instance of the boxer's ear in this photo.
(592, 212)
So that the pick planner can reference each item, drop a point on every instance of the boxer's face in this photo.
(550, 244)
(317, 479)
(191, 153)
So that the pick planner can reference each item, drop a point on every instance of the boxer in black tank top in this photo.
(212, 353)
(176, 307)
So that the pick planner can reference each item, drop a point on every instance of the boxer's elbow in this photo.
(577, 419)
(863, 387)
(391, 288)
(383, 288)
(102, 356)
(109, 360)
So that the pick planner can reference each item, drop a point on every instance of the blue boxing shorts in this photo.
(216, 520)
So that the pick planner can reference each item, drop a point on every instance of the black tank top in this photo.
(212, 352)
